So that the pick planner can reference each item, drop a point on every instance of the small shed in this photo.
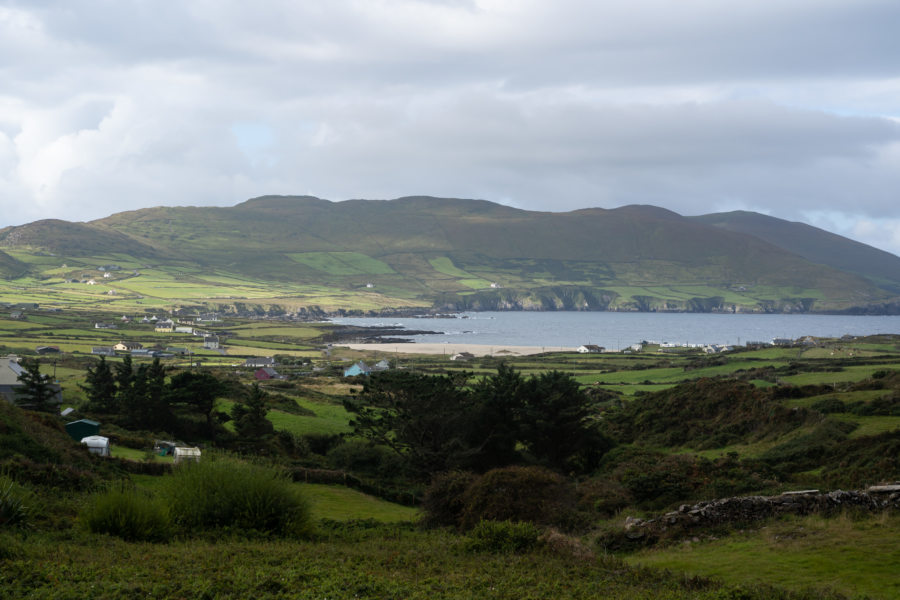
(97, 444)
(78, 430)
(185, 454)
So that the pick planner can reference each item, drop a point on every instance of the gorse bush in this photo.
(443, 502)
(502, 537)
(230, 494)
(130, 514)
(532, 494)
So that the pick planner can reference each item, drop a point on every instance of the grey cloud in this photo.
(698, 106)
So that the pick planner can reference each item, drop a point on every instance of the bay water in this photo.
(618, 330)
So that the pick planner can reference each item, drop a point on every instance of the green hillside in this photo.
(11, 268)
(815, 245)
(449, 254)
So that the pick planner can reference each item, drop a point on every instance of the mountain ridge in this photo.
(451, 254)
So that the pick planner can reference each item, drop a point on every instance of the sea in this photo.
(619, 330)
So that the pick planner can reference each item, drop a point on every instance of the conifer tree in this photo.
(37, 391)
(250, 420)
(100, 387)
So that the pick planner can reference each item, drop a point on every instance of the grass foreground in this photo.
(400, 563)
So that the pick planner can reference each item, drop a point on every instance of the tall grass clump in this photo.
(13, 512)
(238, 496)
(130, 514)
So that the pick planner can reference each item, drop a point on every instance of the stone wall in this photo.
(742, 511)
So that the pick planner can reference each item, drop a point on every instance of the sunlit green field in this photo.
(851, 556)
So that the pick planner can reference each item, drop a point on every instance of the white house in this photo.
(589, 349)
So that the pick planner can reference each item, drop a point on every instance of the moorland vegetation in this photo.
(507, 477)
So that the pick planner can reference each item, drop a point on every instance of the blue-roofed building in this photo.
(359, 368)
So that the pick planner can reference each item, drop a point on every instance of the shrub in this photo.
(322, 443)
(361, 457)
(604, 496)
(13, 512)
(444, 499)
(532, 494)
(501, 537)
(829, 405)
(226, 493)
(130, 514)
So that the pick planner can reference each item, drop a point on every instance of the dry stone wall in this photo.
(745, 510)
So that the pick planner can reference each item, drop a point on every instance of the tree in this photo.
(196, 393)
(557, 424)
(495, 432)
(250, 420)
(424, 419)
(156, 401)
(37, 391)
(100, 387)
(440, 423)
(124, 378)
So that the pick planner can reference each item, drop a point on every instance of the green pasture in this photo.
(249, 348)
(285, 331)
(869, 425)
(330, 419)
(18, 325)
(342, 263)
(848, 374)
(444, 265)
(846, 397)
(663, 375)
(342, 504)
(854, 557)
(630, 389)
(334, 502)
(475, 284)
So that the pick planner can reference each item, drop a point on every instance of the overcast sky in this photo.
(786, 107)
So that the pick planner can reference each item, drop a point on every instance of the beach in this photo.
(450, 349)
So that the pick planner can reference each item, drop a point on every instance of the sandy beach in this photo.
(451, 349)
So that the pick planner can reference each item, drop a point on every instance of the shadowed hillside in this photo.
(815, 245)
(456, 254)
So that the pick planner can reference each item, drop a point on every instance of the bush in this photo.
(322, 443)
(130, 514)
(13, 512)
(532, 494)
(501, 537)
(225, 493)
(444, 499)
(604, 496)
(364, 457)
(829, 405)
